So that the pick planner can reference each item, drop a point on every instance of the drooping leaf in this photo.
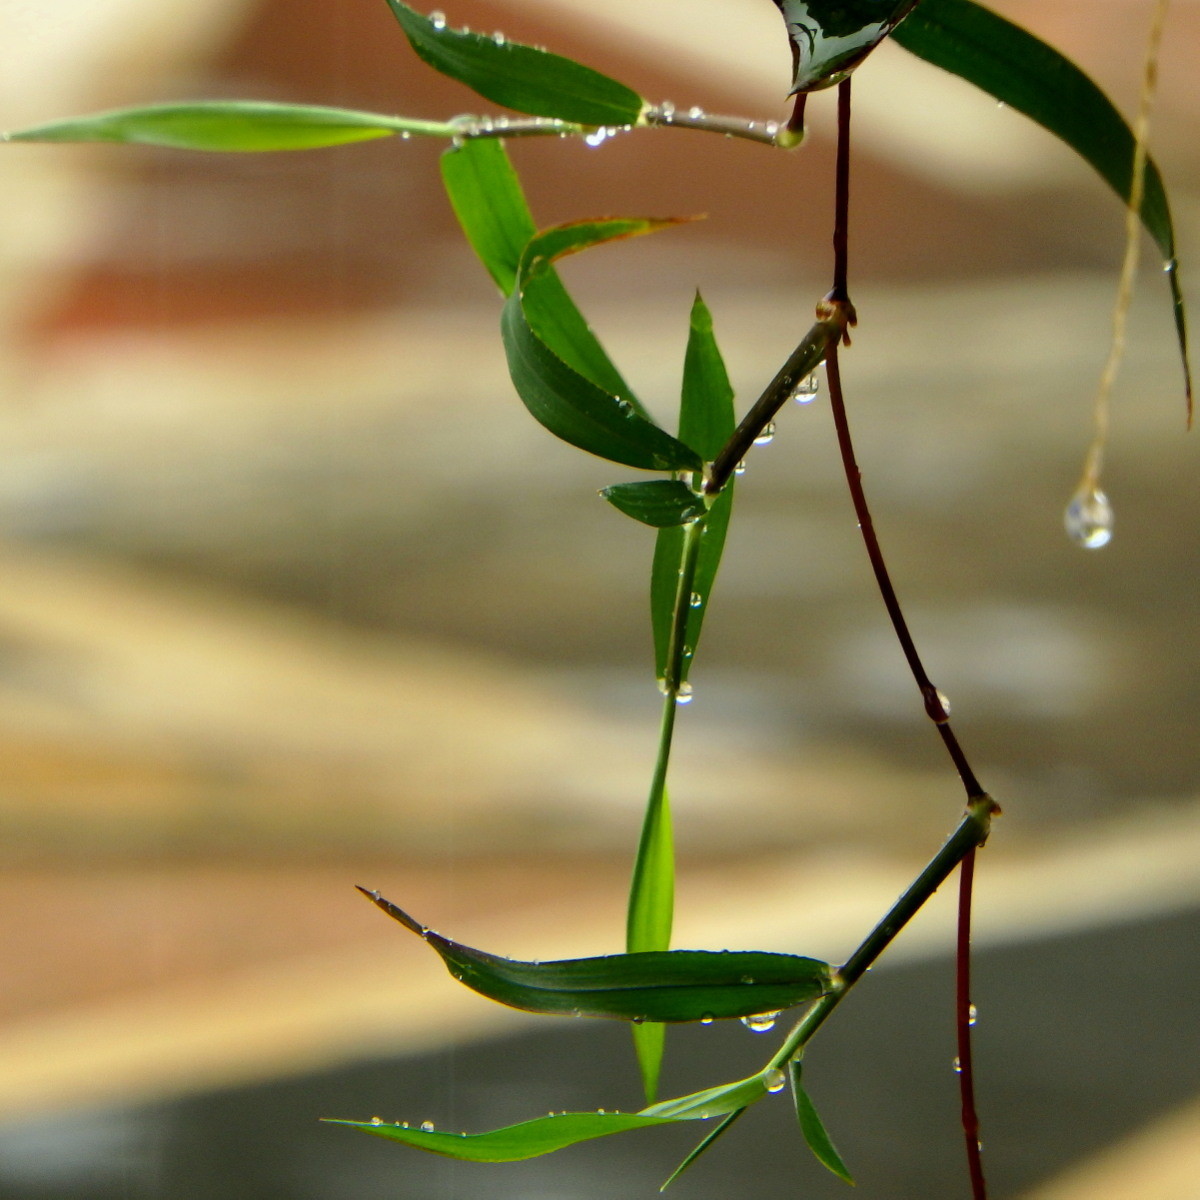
(706, 420)
(231, 125)
(486, 196)
(831, 37)
(520, 77)
(529, 1139)
(1022, 71)
(813, 1129)
(704, 1144)
(673, 985)
(657, 502)
(576, 408)
(713, 1101)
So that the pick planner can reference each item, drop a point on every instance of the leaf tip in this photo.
(395, 912)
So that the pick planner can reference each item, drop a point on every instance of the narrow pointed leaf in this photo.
(649, 1044)
(1025, 73)
(712, 1102)
(673, 985)
(231, 125)
(529, 1139)
(831, 37)
(704, 1144)
(519, 77)
(657, 502)
(574, 407)
(486, 196)
(706, 420)
(813, 1129)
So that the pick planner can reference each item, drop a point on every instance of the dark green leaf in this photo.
(831, 37)
(706, 420)
(1023, 72)
(813, 1129)
(658, 502)
(670, 985)
(529, 1139)
(703, 1145)
(487, 199)
(574, 407)
(239, 125)
(519, 77)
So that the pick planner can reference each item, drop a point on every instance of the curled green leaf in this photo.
(1022, 71)
(529, 1139)
(657, 502)
(811, 1126)
(520, 77)
(669, 985)
(231, 125)
(714, 1101)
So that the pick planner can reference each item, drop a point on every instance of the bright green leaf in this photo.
(657, 502)
(1023, 72)
(671, 985)
(519, 77)
(578, 409)
(712, 1102)
(814, 1130)
(237, 125)
(530, 1139)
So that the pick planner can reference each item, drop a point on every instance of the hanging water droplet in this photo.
(696, 600)
(427, 1126)
(775, 1080)
(767, 436)
(805, 392)
(761, 1022)
(376, 1120)
(667, 108)
(972, 1015)
(740, 469)
(957, 1065)
(1170, 265)
(405, 135)
(598, 137)
(498, 38)
(771, 129)
(944, 701)
(695, 112)
(1089, 518)
(684, 694)
(707, 1019)
(437, 19)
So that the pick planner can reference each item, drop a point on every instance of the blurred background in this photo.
(294, 595)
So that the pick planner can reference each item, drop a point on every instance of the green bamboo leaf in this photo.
(1023, 72)
(671, 985)
(657, 502)
(704, 1144)
(519, 77)
(486, 196)
(831, 37)
(574, 407)
(530, 1139)
(231, 125)
(706, 421)
(813, 1129)
(713, 1101)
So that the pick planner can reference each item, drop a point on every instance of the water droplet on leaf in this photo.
(1089, 518)
(376, 1120)
(437, 19)
(598, 136)
(696, 600)
(775, 1080)
(427, 1126)
(707, 1019)
(761, 1022)
(684, 694)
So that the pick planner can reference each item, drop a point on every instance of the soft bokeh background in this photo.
(294, 595)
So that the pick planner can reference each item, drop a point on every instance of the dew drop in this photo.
(761, 1022)
(684, 695)
(805, 392)
(403, 1124)
(598, 136)
(957, 1065)
(944, 701)
(740, 469)
(695, 112)
(972, 1015)
(498, 38)
(427, 1126)
(696, 600)
(376, 1120)
(600, 1111)
(437, 19)
(775, 1080)
(771, 129)
(707, 1019)
(1170, 265)
(767, 436)
(667, 108)
(1089, 518)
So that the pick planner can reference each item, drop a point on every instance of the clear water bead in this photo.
(696, 600)
(376, 1120)
(740, 469)
(427, 1126)
(667, 108)
(761, 1022)
(707, 1019)
(437, 19)
(598, 137)
(695, 112)
(957, 1065)
(805, 392)
(767, 436)
(684, 695)
(1089, 518)
(775, 1080)
(972, 1015)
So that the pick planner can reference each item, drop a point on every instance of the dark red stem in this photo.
(965, 1020)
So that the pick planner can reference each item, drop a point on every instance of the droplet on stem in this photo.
(766, 436)
(684, 694)
(696, 600)
(972, 1015)
(805, 392)
(775, 1080)
(1089, 518)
